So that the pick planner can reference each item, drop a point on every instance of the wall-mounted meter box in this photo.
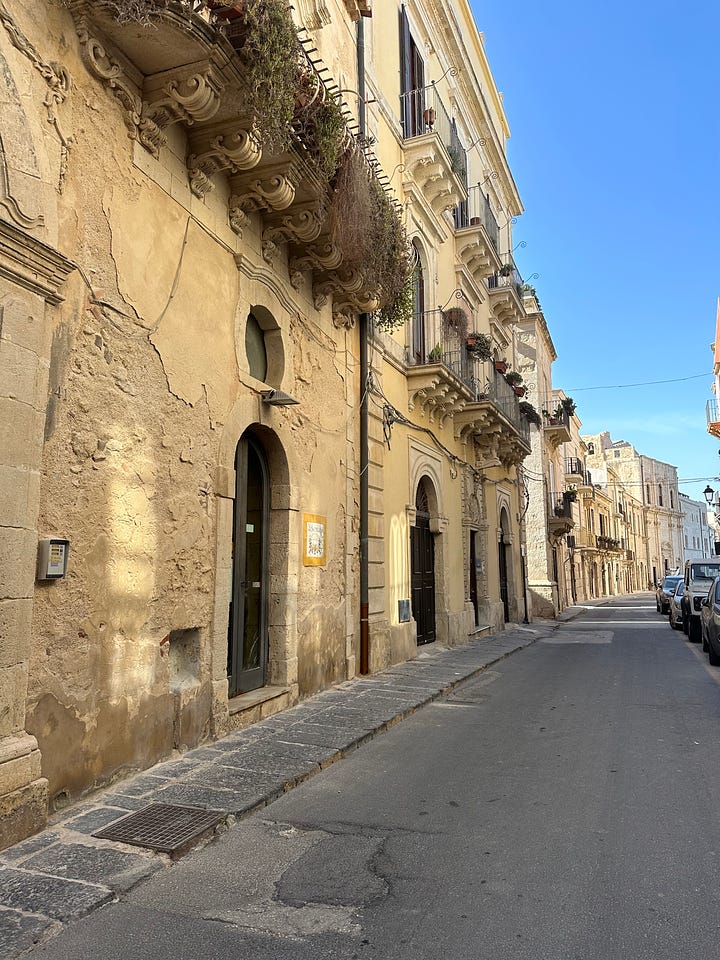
(52, 558)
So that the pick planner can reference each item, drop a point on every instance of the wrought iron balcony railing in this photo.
(422, 112)
(476, 211)
(574, 467)
(711, 411)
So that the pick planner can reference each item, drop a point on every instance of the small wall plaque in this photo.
(404, 611)
(314, 529)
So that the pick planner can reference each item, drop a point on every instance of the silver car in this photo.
(676, 596)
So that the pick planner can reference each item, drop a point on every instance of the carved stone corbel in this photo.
(302, 225)
(317, 256)
(113, 74)
(273, 190)
(234, 150)
(190, 94)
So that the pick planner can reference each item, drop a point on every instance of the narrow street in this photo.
(560, 805)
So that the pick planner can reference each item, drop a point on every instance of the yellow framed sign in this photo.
(314, 530)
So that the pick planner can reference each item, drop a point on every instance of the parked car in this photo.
(699, 575)
(665, 591)
(710, 623)
(676, 620)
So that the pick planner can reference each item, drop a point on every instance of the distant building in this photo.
(698, 535)
(654, 483)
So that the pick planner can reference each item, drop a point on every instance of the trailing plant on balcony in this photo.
(479, 345)
(457, 161)
(455, 322)
(324, 131)
(366, 227)
(265, 38)
(530, 413)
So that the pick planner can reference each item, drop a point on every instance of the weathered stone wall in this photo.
(148, 395)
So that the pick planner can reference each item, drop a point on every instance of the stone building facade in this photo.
(186, 351)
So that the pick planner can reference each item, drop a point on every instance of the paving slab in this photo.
(62, 873)
(53, 897)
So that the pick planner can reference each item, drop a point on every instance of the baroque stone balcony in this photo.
(184, 68)
(560, 517)
(434, 160)
(505, 289)
(477, 235)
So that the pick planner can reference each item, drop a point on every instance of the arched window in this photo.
(660, 500)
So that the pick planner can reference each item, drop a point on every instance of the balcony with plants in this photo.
(477, 234)
(258, 113)
(560, 513)
(507, 291)
(556, 415)
(444, 362)
(435, 159)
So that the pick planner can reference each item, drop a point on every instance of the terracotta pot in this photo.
(429, 117)
(501, 366)
(474, 221)
(519, 391)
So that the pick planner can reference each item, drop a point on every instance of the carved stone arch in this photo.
(284, 538)
(424, 464)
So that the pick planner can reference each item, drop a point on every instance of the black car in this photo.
(665, 591)
(710, 623)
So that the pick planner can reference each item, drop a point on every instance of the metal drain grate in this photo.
(163, 827)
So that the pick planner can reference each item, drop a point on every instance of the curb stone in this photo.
(64, 873)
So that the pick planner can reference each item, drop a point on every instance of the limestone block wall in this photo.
(122, 401)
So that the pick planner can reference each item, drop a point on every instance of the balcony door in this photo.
(412, 74)
(248, 641)
(419, 346)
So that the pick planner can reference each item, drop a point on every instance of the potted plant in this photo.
(568, 405)
(429, 117)
(571, 494)
(501, 366)
(530, 413)
(475, 221)
(520, 391)
(513, 378)
(506, 269)
(435, 355)
(479, 345)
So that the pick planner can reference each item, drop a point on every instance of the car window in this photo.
(704, 571)
(669, 583)
(679, 589)
(717, 591)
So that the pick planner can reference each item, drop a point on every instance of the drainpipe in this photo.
(364, 325)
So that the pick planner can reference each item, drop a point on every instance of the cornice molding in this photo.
(32, 264)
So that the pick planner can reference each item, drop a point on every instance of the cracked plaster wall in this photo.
(137, 402)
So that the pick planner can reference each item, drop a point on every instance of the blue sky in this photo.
(615, 149)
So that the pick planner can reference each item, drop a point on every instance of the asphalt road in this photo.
(562, 805)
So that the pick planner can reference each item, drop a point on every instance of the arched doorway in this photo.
(248, 634)
(422, 573)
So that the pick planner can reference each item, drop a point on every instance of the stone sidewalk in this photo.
(64, 872)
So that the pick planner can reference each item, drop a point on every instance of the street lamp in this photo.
(709, 495)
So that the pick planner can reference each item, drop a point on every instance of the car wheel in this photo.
(672, 623)
(694, 630)
(712, 656)
(657, 606)
(684, 623)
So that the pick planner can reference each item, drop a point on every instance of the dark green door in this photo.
(248, 646)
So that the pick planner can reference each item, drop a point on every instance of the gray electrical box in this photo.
(52, 558)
